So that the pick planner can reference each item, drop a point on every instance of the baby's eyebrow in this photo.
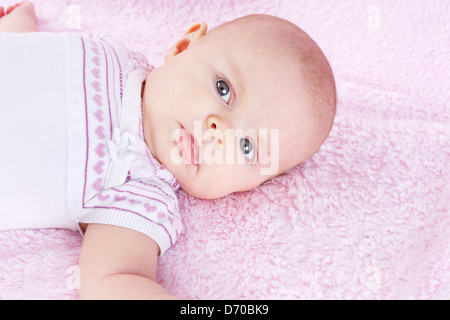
(236, 78)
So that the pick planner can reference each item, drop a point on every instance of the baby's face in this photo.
(225, 114)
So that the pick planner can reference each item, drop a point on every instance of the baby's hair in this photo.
(319, 82)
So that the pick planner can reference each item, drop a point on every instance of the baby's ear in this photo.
(194, 34)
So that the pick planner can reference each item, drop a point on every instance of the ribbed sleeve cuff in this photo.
(119, 218)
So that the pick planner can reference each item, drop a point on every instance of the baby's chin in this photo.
(206, 192)
(214, 189)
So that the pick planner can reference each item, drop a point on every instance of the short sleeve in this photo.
(150, 207)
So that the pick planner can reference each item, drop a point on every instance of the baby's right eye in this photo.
(223, 90)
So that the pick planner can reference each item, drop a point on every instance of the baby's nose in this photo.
(216, 128)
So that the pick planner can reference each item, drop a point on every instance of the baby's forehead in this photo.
(254, 50)
(257, 26)
(259, 31)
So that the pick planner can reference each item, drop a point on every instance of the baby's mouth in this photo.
(188, 146)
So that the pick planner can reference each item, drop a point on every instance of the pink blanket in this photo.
(367, 217)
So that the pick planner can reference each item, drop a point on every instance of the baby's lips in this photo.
(189, 146)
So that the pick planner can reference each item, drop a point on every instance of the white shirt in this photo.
(110, 176)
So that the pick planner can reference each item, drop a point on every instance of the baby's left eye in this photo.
(246, 147)
(223, 90)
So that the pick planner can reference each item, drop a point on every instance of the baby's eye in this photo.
(246, 147)
(224, 90)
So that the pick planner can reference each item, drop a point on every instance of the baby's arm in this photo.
(119, 263)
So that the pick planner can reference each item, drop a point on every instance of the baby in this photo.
(99, 141)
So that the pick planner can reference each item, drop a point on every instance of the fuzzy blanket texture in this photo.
(367, 217)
